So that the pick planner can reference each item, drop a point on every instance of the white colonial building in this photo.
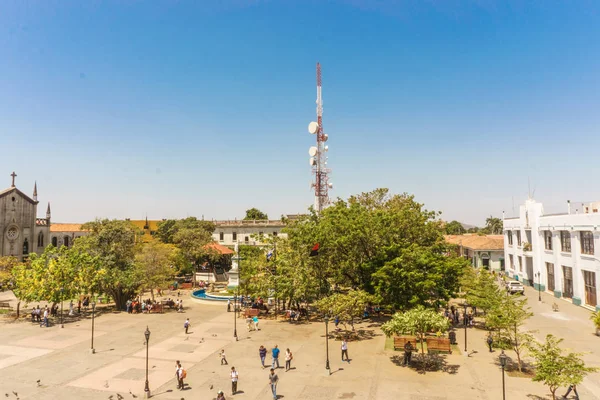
(557, 253)
(247, 232)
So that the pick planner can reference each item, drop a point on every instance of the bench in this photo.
(438, 345)
(400, 341)
(5, 304)
(251, 312)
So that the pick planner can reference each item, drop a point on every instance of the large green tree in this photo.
(168, 229)
(191, 236)
(255, 214)
(7, 263)
(493, 225)
(454, 228)
(347, 306)
(157, 263)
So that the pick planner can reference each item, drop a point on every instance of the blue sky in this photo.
(176, 108)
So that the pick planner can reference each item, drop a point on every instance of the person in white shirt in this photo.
(288, 360)
(345, 350)
(46, 317)
(179, 375)
(234, 380)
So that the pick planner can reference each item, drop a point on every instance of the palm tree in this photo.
(494, 225)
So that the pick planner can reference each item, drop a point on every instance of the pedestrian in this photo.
(220, 395)
(408, 348)
(186, 325)
(45, 323)
(228, 305)
(288, 360)
(273, 379)
(180, 306)
(574, 389)
(275, 354)
(179, 374)
(223, 358)
(234, 380)
(249, 323)
(255, 320)
(337, 322)
(490, 341)
(71, 311)
(262, 352)
(38, 314)
(345, 350)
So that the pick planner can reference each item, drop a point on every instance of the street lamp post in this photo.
(539, 279)
(92, 350)
(235, 335)
(465, 322)
(62, 300)
(147, 386)
(326, 319)
(503, 364)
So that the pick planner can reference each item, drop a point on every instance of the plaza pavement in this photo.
(61, 360)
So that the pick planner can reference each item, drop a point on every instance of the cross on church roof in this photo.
(13, 178)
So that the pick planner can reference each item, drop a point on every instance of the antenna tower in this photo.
(318, 158)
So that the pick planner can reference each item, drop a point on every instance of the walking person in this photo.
(572, 388)
(223, 358)
(45, 323)
(408, 349)
(345, 350)
(71, 311)
(262, 352)
(179, 374)
(249, 323)
(288, 360)
(275, 353)
(186, 325)
(273, 379)
(220, 395)
(490, 341)
(228, 305)
(255, 320)
(234, 380)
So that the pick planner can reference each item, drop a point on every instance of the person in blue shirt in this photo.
(275, 353)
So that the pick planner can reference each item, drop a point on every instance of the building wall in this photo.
(244, 231)
(19, 213)
(531, 218)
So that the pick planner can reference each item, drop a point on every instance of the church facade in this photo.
(22, 231)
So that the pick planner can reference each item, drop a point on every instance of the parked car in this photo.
(513, 287)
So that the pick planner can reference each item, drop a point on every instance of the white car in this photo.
(513, 287)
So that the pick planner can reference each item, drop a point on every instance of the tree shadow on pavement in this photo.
(433, 363)
(536, 397)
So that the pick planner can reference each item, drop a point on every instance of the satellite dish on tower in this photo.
(312, 161)
(325, 137)
(313, 128)
(312, 151)
(326, 148)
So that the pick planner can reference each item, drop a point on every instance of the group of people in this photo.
(149, 305)
(247, 301)
(454, 316)
(41, 316)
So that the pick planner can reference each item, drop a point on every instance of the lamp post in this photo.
(236, 296)
(147, 386)
(503, 358)
(62, 300)
(539, 279)
(92, 350)
(465, 322)
(326, 319)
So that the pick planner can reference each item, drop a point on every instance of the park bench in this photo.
(251, 312)
(157, 309)
(438, 345)
(400, 341)
(5, 305)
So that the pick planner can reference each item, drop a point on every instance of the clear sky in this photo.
(176, 108)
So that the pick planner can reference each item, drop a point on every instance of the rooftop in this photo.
(58, 227)
(477, 242)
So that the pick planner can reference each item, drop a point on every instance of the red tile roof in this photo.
(477, 242)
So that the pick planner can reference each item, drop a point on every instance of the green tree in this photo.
(454, 228)
(554, 369)
(417, 321)
(508, 317)
(346, 306)
(156, 261)
(483, 292)
(168, 229)
(112, 246)
(494, 225)
(255, 214)
(7, 263)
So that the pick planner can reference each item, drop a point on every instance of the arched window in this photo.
(66, 241)
(54, 241)
(41, 239)
(25, 247)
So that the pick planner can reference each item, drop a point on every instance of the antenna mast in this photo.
(318, 158)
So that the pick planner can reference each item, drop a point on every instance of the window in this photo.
(41, 239)
(589, 278)
(587, 242)
(25, 246)
(234, 236)
(221, 236)
(567, 282)
(511, 262)
(54, 241)
(509, 237)
(246, 239)
(518, 238)
(66, 241)
(548, 240)
(565, 241)
(550, 275)
(520, 263)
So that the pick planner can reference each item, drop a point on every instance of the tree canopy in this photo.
(454, 228)
(255, 214)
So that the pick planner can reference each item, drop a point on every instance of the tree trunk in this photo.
(152, 293)
(18, 309)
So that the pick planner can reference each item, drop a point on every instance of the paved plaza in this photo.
(60, 359)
